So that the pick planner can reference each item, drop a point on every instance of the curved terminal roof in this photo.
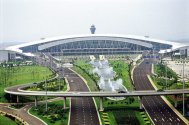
(93, 37)
(143, 41)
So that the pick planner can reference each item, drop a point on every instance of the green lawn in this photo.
(6, 121)
(55, 115)
(21, 75)
(122, 71)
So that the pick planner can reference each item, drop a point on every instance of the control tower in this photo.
(92, 29)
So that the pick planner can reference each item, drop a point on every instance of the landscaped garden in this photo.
(115, 112)
(53, 85)
(11, 76)
(126, 116)
(15, 75)
(19, 73)
(55, 115)
(165, 77)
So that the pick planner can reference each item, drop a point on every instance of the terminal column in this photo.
(140, 102)
(64, 102)
(101, 104)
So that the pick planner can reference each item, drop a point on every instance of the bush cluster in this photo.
(53, 114)
(165, 74)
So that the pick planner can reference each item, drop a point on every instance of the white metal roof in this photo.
(74, 39)
(16, 48)
(174, 49)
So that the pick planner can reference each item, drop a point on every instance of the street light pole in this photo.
(183, 86)
(60, 66)
(46, 94)
(166, 75)
(59, 78)
(45, 89)
(165, 64)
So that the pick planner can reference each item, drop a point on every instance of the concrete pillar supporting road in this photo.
(10, 98)
(17, 99)
(64, 103)
(140, 102)
(101, 104)
(35, 101)
(176, 104)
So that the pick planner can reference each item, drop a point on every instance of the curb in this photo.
(16, 117)
(12, 108)
(69, 112)
(68, 88)
(36, 117)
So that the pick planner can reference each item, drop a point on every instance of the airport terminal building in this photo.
(93, 44)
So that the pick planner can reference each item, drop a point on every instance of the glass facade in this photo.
(92, 47)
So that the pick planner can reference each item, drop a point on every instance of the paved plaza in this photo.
(177, 66)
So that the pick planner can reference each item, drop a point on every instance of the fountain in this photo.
(107, 75)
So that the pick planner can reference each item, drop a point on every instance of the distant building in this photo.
(4, 55)
(11, 55)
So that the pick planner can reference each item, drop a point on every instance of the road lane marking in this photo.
(178, 119)
(163, 120)
(155, 120)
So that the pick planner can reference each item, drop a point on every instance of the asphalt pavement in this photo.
(21, 113)
(83, 110)
(159, 111)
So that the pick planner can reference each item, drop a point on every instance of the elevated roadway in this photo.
(17, 91)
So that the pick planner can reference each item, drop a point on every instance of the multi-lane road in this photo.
(159, 111)
(83, 110)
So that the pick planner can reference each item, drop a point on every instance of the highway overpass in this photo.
(97, 94)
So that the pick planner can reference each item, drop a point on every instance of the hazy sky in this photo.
(28, 20)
